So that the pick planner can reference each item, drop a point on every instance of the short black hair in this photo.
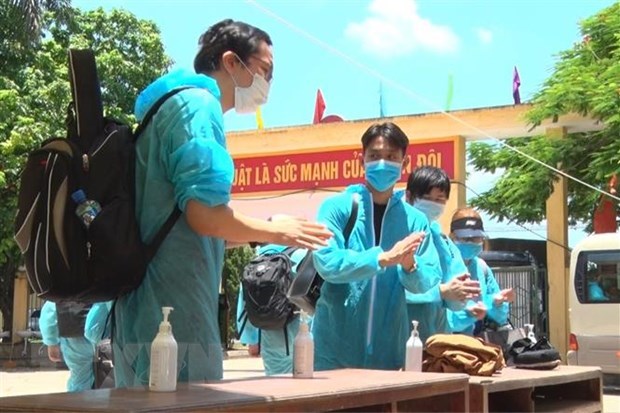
(422, 180)
(238, 37)
(390, 131)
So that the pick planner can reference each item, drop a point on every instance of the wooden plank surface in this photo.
(329, 390)
(568, 388)
(513, 378)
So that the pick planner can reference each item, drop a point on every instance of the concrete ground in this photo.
(19, 382)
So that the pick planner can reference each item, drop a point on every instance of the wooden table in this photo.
(566, 388)
(355, 390)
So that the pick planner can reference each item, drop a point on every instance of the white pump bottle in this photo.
(413, 358)
(530, 332)
(303, 350)
(163, 369)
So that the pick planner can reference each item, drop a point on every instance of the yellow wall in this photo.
(338, 135)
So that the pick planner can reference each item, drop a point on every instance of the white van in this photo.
(594, 303)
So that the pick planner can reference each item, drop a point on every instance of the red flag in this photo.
(516, 83)
(605, 215)
(319, 107)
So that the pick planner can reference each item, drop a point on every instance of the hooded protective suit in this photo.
(429, 309)
(361, 318)
(180, 156)
(77, 352)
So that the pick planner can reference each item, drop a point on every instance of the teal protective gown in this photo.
(361, 318)
(97, 321)
(77, 352)
(272, 342)
(181, 156)
(429, 309)
(596, 292)
(462, 321)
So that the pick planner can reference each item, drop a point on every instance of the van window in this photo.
(597, 277)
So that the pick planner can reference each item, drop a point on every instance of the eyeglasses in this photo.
(266, 66)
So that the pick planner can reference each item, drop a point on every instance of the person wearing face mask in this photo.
(428, 190)
(361, 317)
(467, 232)
(182, 162)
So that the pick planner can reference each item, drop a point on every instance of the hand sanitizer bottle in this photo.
(163, 372)
(530, 333)
(303, 350)
(413, 360)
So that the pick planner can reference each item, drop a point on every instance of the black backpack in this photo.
(65, 260)
(266, 281)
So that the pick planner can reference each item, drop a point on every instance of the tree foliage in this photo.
(35, 92)
(586, 80)
(27, 16)
(21, 28)
(235, 260)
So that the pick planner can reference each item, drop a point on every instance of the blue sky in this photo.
(414, 43)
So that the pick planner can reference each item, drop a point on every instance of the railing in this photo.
(34, 311)
(531, 301)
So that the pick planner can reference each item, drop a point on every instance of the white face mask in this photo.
(432, 210)
(248, 99)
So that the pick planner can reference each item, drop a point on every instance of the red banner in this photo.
(327, 169)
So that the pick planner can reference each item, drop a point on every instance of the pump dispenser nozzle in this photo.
(415, 328)
(166, 311)
(165, 326)
(303, 320)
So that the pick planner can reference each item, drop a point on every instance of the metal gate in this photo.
(530, 305)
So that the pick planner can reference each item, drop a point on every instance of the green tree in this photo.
(586, 80)
(21, 28)
(28, 16)
(34, 96)
(234, 262)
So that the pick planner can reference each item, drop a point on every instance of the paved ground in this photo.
(22, 381)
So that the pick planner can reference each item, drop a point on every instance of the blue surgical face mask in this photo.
(432, 210)
(469, 250)
(382, 174)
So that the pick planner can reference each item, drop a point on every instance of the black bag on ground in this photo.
(306, 286)
(64, 259)
(541, 355)
(502, 336)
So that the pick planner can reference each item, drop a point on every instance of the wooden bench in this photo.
(566, 389)
(337, 390)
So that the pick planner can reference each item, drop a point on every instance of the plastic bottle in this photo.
(530, 333)
(163, 369)
(87, 209)
(303, 350)
(413, 359)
